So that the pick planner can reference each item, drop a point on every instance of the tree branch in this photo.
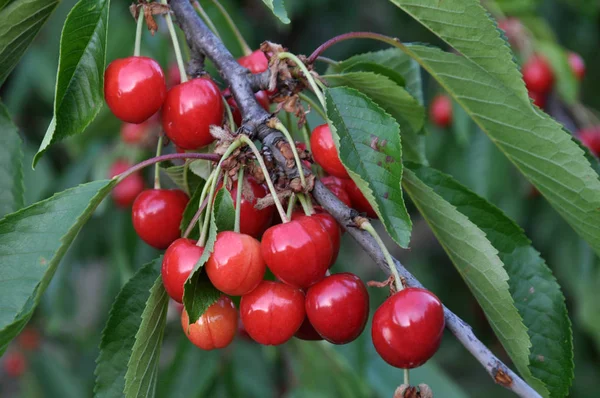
(243, 85)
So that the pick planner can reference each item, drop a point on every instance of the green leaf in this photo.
(80, 77)
(377, 69)
(477, 262)
(20, 22)
(536, 293)
(199, 293)
(142, 369)
(190, 211)
(368, 140)
(12, 196)
(119, 335)
(278, 10)
(536, 144)
(566, 82)
(32, 243)
(183, 177)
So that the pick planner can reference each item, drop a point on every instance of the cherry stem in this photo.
(306, 135)
(291, 205)
(159, 146)
(347, 36)
(195, 219)
(203, 202)
(279, 126)
(149, 162)
(206, 18)
(229, 114)
(138, 33)
(313, 105)
(306, 204)
(265, 171)
(328, 61)
(176, 47)
(406, 377)
(236, 32)
(238, 199)
(367, 226)
(307, 74)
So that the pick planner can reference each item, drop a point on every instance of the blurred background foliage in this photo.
(107, 252)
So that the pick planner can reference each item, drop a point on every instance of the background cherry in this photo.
(216, 328)
(359, 202)
(29, 339)
(14, 363)
(272, 312)
(125, 192)
(137, 133)
(189, 110)
(325, 153)
(440, 111)
(256, 62)
(336, 186)
(261, 96)
(407, 328)
(157, 214)
(338, 307)
(590, 137)
(577, 65)
(179, 260)
(538, 99)
(236, 265)
(538, 75)
(134, 88)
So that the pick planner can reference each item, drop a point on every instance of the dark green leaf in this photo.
(278, 10)
(32, 243)
(20, 22)
(80, 77)
(368, 140)
(12, 196)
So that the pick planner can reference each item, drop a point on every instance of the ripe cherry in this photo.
(189, 110)
(125, 192)
(179, 260)
(298, 252)
(331, 227)
(359, 202)
(173, 76)
(137, 133)
(157, 215)
(261, 97)
(134, 88)
(216, 328)
(538, 75)
(325, 153)
(236, 265)
(272, 312)
(440, 111)
(14, 364)
(577, 65)
(590, 137)
(307, 332)
(408, 327)
(256, 62)
(338, 307)
(336, 186)
(538, 99)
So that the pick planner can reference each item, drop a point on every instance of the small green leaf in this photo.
(142, 369)
(278, 10)
(12, 196)
(80, 77)
(32, 243)
(368, 140)
(20, 22)
(183, 177)
(377, 69)
(566, 82)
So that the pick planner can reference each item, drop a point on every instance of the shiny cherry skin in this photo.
(538, 99)
(261, 97)
(272, 312)
(256, 62)
(338, 307)
(135, 134)
(134, 88)
(407, 328)
(538, 75)
(359, 202)
(325, 153)
(125, 192)
(157, 214)
(336, 186)
(307, 332)
(216, 328)
(179, 260)
(590, 137)
(440, 111)
(189, 110)
(577, 65)
(298, 252)
(236, 265)
(14, 363)
(331, 227)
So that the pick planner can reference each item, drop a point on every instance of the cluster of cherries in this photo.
(305, 300)
(14, 362)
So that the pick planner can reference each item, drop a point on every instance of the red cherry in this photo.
(157, 215)
(513, 28)
(29, 339)
(137, 133)
(298, 252)
(261, 97)
(216, 328)
(331, 227)
(325, 153)
(590, 137)
(538, 99)
(336, 186)
(440, 111)
(173, 76)
(236, 265)
(272, 312)
(125, 192)
(408, 327)
(179, 260)
(15, 364)
(338, 307)
(189, 110)
(134, 88)
(307, 332)
(359, 202)
(577, 65)
(538, 75)
(256, 62)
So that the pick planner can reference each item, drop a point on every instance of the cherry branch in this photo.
(243, 84)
